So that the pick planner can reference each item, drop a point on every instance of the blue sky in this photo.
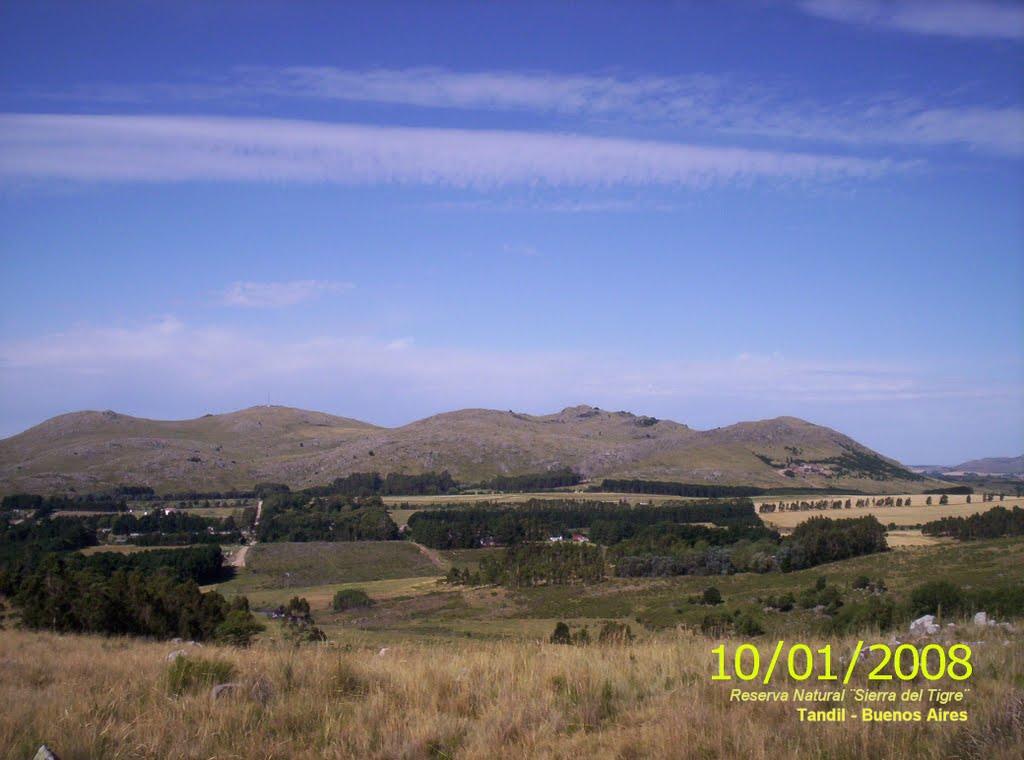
(708, 212)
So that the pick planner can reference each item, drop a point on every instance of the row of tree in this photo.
(537, 481)
(667, 488)
(362, 484)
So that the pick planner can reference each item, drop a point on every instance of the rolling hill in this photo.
(92, 451)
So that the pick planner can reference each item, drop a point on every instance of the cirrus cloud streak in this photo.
(159, 149)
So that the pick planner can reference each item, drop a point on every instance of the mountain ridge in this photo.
(94, 450)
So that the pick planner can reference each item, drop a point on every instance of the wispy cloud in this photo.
(181, 149)
(274, 294)
(950, 18)
(697, 102)
(698, 105)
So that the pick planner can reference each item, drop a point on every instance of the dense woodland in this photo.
(152, 593)
(535, 564)
(995, 523)
(485, 525)
(297, 517)
(820, 540)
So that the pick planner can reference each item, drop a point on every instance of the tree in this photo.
(351, 598)
(711, 596)
(561, 634)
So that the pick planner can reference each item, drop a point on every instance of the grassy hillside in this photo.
(90, 451)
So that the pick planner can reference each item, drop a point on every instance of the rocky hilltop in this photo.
(91, 451)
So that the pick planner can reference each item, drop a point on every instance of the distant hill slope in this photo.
(992, 466)
(90, 451)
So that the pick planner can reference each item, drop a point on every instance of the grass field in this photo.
(89, 697)
(413, 605)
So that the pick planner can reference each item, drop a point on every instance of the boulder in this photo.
(383, 651)
(924, 626)
(176, 654)
(980, 618)
(45, 753)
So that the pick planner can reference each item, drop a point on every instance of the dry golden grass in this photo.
(90, 697)
(913, 515)
(901, 539)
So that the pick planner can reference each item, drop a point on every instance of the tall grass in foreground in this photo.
(89, 697)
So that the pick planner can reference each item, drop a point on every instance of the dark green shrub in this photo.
(711, 596)
(934, 597)
(561, 634)
(238, 629)
(748, 625)
(351, 599)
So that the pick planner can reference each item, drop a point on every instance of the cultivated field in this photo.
(513, 498)
(910, 537)
(914, 515)
(316, 563)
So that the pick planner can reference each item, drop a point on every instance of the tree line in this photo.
(536, 481)
(668, 488)
(995, 523)
(364, 484)
(488, 525)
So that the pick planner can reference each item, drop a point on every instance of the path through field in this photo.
(432, 555)
(238, 558)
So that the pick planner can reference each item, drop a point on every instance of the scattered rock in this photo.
(924, 626)
(193, 643)
(176, 654)
(980, 618)
(383, 651)
(45, 753)
(224, 690)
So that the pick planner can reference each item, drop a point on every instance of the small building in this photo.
(579, 537)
